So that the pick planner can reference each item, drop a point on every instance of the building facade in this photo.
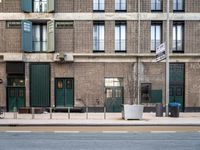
(75, 53)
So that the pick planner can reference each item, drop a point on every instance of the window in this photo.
(40, 38)
(98, 5)
(178, 38)
(40, 6)
(156, 5)
(113, 82)
(156, 34)
(120, 5)
(98, 36)
(120, 36)
(13, 24)
(64, 24)
(178, 5)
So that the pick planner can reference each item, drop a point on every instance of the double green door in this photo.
(114, 99)
(15, 97)
(176, 84)
(64, 92)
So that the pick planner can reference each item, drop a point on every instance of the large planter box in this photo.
(133, 112)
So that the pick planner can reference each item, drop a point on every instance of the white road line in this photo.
(114, 131)
(10, 131)
(162, 131)
(66, 131)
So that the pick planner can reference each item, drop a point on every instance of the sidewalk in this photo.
(97, 119)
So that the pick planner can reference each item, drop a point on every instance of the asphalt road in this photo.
(99, 141)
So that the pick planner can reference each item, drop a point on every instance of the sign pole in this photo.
(167, 64)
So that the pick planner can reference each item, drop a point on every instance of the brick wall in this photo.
(3, 85)
(10, 6)
(83, 5)
(132, 36)
(64, 6)
(64, 40)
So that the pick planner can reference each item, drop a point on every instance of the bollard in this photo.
(51, 115)
(68, 112)
(33, 113)
(15, 113)
(86, 112)
(104, 112)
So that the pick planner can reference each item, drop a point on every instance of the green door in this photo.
(114, 99)
(64, 92)
(176, 84)
(15, 97)
(39, 85)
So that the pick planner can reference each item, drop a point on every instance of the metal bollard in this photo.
(51, 115)
(104, 112)
(15, 113)
(33, 113)
(86, 112)
(68, 112)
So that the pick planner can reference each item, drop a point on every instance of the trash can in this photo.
(159, 110)
(174, 109)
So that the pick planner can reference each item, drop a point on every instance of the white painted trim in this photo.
(98, 16)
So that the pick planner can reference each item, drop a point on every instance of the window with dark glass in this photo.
(98, 36)
(178, 5)
(98, 5)
(156, 35)
(40, 37)
(178, 38)
(146, 92)
(40, 6)
(120, 36)
(156, 5)
(120, 5)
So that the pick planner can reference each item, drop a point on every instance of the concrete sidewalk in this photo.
(97, 119)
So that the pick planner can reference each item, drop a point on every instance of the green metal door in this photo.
(114, 99)
(15, 97)
(64, 92)
(39, 85)
(177, 82)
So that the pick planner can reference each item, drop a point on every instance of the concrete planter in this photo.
(132, 112)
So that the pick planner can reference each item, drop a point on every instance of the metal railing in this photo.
(98, 44)
(120, 45)
(40, 45)
(155, 44)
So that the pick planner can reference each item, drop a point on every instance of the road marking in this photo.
(18, 131)
(114, 131)
(66, 131)
(162, 131)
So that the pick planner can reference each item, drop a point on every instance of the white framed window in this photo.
(98, 5)
(120, 36)
(178, 38)
(120, 5)
(156, 35)
(39, 6)
(156, 5)
(178, 5)
(98, 36)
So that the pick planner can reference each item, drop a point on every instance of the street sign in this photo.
(160, 52)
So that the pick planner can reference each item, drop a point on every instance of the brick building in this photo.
(97, 52)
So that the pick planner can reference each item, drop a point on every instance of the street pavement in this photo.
(99, 141)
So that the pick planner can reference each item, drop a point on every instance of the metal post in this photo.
(50, 110)
(86, 112)
(104, 112)
(139, 37)
(68, 112)
(15, 113)
(167, 63)
(33, 112)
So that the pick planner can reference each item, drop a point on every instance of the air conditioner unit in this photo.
(63, 57)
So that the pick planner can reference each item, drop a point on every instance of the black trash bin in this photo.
(174, 109)
(159, 110)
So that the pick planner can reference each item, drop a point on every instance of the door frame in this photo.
(63, 78)
(183, 107)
